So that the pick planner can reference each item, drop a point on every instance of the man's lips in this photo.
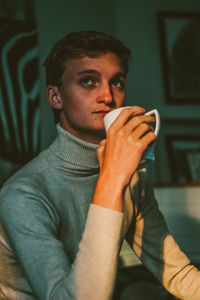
(102, 112)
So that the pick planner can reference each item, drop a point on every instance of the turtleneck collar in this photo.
(77, 154)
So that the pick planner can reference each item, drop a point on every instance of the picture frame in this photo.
(180, 58)
(184, 157)
(164, 168)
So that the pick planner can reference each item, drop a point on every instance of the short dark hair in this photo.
(79, 44)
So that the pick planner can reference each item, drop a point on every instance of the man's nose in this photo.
(105, 94)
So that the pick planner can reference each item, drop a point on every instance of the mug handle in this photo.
(157, 116)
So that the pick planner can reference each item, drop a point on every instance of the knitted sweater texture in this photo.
(55, 244)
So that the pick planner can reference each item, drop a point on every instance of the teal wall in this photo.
(134, 22)
(137, 27)
(57, 18)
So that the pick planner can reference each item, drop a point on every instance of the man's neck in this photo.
(87, 136)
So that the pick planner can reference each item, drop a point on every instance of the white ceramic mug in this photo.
(149, 152)
(111, 116)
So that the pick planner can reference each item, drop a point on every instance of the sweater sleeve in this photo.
(32, 230)
(97, 256)
(150, 239)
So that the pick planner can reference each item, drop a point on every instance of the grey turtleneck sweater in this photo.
(43, 209)
(55, 244)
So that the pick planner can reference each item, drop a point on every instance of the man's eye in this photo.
(118, 84)
(88, 82)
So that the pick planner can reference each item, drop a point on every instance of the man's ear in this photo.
(53, 96)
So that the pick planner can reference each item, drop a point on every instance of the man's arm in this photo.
(151, 241)
(32, 227)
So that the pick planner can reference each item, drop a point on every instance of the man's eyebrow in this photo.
(88, 71)
(95, 72)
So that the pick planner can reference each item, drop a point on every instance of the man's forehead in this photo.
(94, 64)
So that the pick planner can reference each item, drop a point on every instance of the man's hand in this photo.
(120, 154)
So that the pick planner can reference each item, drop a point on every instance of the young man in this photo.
(65, 214)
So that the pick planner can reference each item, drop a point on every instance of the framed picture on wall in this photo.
(180, 56)
(184, 157)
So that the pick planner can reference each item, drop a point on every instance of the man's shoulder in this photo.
(37, 165)
(31, 173)
(27, 188)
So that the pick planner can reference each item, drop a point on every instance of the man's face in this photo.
(91, 87)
